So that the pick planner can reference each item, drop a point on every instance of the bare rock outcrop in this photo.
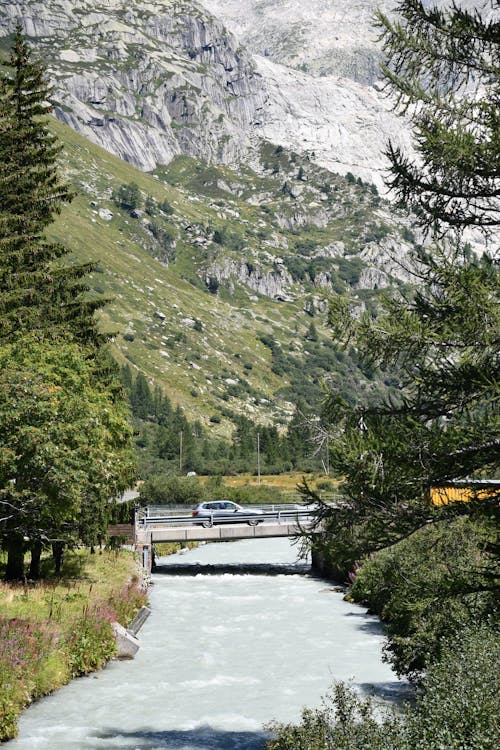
(146, 81)
(276, 283)
(151, 80)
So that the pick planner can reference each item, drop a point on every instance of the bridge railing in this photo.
(179, 510)
(281, 515)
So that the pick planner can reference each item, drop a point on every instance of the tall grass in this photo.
(56, 630)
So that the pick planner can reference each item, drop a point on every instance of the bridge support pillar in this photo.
(144, 548)
(146, 557)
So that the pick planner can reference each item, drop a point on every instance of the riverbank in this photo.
(60, 628)
(220, 657)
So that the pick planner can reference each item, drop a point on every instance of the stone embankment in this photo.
(127, 643)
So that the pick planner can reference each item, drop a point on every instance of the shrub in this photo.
(164, 234)
(126, 602)
(458, 702)
(424, 588)
(343, 722)
(456, 708)
(91, 641)
(213, 284)
(150, 206)
(326, 485)
(167, 489)
(166, 208)
(25, 649)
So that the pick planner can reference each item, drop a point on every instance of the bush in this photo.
(231, 238)
(126, 602)
(424, 589)
(167, 489)
(91, 641)
(164, 234)
(326, 485)
(150, 206)
(456, 708)
(166, 208)
(458, 702)
(344, 722)
(26, 649)
(213, 284)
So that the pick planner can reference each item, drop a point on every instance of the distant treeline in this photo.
(167, 442)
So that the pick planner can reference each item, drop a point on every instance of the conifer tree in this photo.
(39, 289)
(443, 68)
(440, 340)
(141, 398)
(56, 453)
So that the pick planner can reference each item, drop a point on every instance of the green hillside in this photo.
(218, 280)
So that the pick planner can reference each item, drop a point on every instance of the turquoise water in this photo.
(220, 656)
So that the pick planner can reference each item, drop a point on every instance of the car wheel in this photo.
(207, 524)
(253, 522)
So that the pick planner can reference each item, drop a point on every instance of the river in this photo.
(221, 655)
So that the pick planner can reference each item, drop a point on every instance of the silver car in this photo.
(225, 511)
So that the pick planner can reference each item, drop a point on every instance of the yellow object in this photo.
(464, 492)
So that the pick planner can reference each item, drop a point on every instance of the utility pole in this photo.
(180, 451)
(258, 456)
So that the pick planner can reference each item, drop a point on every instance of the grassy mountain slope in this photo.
(214, 287)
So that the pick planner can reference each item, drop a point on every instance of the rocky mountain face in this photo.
(145, 80)
(150, 80)
(320, 37)
(218, 279)
(220, 274)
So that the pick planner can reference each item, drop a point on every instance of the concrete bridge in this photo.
(275, 521)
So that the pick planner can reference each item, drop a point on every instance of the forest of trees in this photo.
(168, 443)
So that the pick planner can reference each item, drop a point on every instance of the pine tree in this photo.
(442, 339)
(128, 197)
(53, 452)
(444, 70)
(38, 289)
(141, 398)
(126, 377)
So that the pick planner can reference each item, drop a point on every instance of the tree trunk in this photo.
(36, 553)
(57, 555)
(15, 558)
